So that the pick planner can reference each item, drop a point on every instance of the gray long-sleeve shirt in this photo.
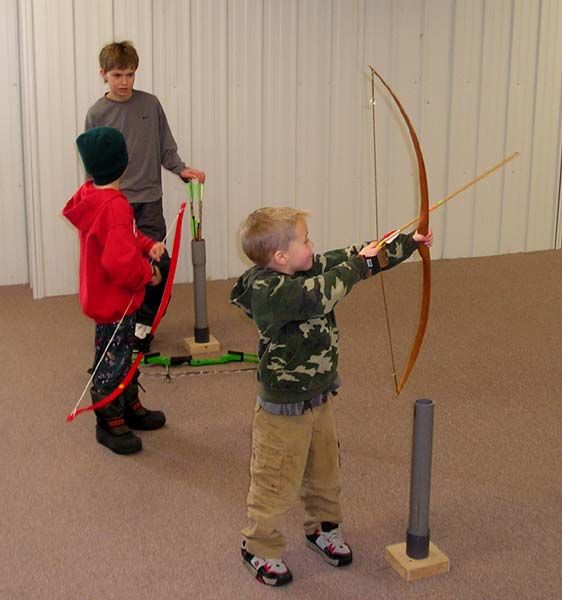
(150, 143)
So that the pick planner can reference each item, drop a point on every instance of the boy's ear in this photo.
(280, 257)
(102, 73)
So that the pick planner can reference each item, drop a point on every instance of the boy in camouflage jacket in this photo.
(290, 294)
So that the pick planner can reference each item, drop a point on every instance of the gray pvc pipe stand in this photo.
(199, 259)
(417, 541)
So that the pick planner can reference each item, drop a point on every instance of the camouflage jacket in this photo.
(298, 335)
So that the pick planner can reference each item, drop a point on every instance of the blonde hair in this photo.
(267, 230)
(118, 55)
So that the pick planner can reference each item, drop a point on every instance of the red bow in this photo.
(159, 314)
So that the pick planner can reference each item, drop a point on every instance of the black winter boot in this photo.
(112, 431)
(117, 437)
(136, 415)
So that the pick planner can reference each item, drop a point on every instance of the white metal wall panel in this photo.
(13, 235)
(88, 42)
(344, 207)
(209, 124)
(244, 134)
(314, 128)
(172, 85)
(272, 100)
(437, 35)
(463, 146)
(492, 116)
(279, 77)
(547, 131)
(133, 21)
(30, 147)
(392, 33)
(521, 112)
(405, 79)
(55, 105)
(378, 35)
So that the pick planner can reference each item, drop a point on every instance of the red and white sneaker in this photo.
(270, 571)
(328, 541)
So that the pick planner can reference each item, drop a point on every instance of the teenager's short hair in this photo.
(119, 55)
(267, 230)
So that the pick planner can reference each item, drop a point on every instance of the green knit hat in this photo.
(104, 153)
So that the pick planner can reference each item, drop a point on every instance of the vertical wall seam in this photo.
(152, 83)
(359, 54)
(22, 136)
(326, 212)
(557, 236)
(296, 124)
(38, 283)
(76, 123)
(558, 217)
(448, 143)
(506, 122)
(191, 86)
(226, 257)
(421, 43)
(478, 119)
(533, 126)
(262, 94)
(364, 158)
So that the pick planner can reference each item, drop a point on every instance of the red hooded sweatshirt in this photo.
(113, 263)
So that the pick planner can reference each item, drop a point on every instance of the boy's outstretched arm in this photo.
(401, 251)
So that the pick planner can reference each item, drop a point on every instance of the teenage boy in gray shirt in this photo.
(150, 143)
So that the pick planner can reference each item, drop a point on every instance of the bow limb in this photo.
(159, 314)
(423, 227)
(171, 273)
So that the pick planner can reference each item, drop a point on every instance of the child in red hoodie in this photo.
(114, 270)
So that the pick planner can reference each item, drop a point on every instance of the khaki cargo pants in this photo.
(291, 455)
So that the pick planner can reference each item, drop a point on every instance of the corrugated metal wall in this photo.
(272, 99)
(13, 240)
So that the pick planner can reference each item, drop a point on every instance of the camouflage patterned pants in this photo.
(291, 455)
(117, 360)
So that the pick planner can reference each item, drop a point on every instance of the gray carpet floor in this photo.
(78, 522)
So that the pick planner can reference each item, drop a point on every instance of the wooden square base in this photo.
(411, 569)
(196, 348)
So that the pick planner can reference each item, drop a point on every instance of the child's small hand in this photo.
(425, 239)
(370, 249)
(156, 276)
(157, 250)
